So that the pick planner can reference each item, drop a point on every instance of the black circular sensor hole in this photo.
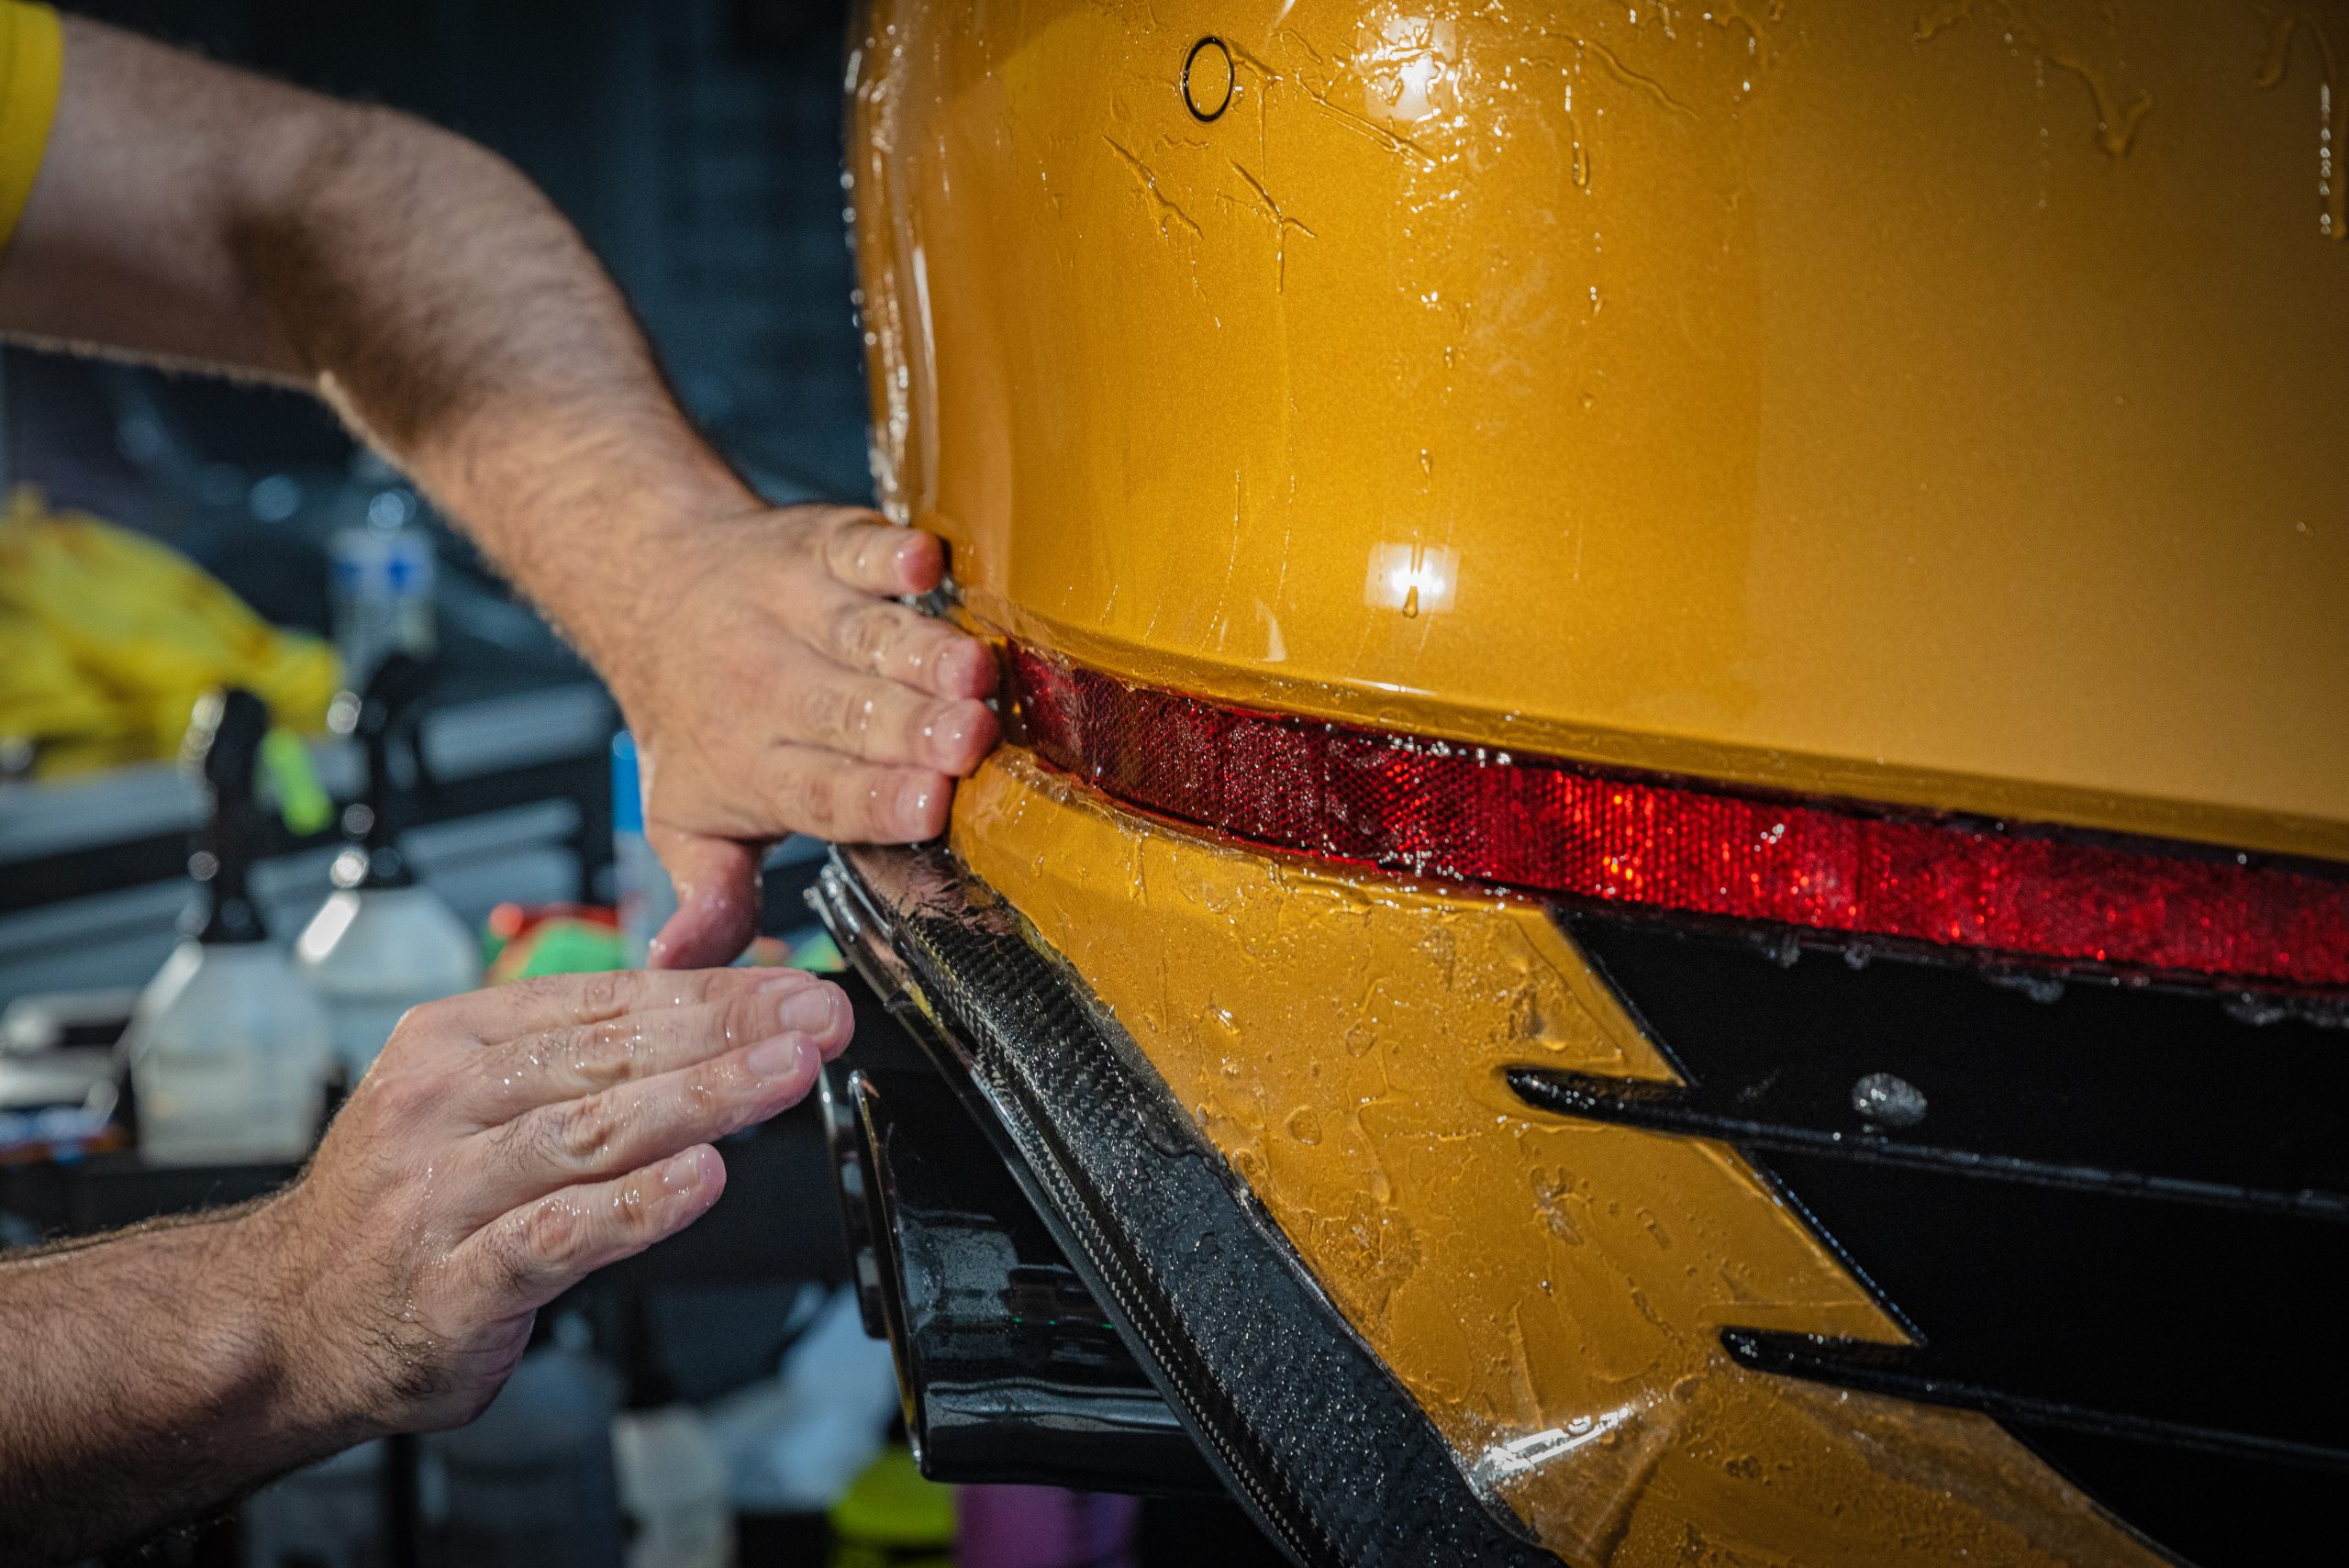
(1208, 78)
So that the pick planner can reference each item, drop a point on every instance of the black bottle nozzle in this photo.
(222, 743)
(386, 722)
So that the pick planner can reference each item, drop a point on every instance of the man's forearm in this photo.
(147, 1376)
(413, 278)
(440, 300)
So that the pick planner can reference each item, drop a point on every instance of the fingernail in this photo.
(782, 1057)
(978, 666)
(913, 805)
(950, 735)
(811, 1012)
(682, 1172)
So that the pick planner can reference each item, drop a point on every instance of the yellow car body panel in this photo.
(1936, 405)
(1932, 405)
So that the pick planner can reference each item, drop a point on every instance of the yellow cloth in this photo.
(32, 61)
(107, 638)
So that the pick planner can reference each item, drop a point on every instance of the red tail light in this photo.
(1433, 808)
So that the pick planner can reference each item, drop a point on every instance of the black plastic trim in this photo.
(1908, 1372)
(1690, 1113)
(1333, 1460)
(1010, 1369)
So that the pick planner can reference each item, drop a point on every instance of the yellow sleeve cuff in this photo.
(32, 62)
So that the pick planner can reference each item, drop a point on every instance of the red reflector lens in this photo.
(1432, 808)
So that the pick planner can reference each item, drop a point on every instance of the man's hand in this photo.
(508, 1144)
(773, 688)
(505, 1145)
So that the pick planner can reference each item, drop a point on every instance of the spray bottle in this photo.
(229, 1047)
(383, 943)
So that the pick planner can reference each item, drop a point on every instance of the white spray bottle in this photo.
(229, 1047)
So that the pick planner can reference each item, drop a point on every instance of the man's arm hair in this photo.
(187, 212)
(146, 1380)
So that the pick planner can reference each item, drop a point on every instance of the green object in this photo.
(891, 1506)
(567, 947)
(302, 801)
(814, 950)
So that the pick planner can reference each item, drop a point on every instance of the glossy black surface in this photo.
(852, 1185)
(2114, 1225)
(1009, 1368)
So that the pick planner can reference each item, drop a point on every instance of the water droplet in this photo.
(1884, 1099)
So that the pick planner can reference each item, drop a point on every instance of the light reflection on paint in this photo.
(1520, 1454)
(1406, 67)
(1411, 578)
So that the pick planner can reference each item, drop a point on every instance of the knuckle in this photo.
(841, 548)
(603, 1054)
(401, 1099)
(550, 1232)
(425, 1018)
(931, 644)
(603, 993)
(742, 1020)
(580, 1133)
(632, 1213)
(869, 634)
(828, 529)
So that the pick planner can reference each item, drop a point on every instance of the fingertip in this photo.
(921, 806)
(710, 931)
(918, 562)
(831, 1036)
(986, 730)
(693, 1178)
(831, 1046)
(679, 944)
(670, 944)
(965, 668)
(962, 733)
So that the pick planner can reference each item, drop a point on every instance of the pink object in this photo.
(1044, 1527)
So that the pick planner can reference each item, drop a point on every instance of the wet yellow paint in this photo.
(1939, 404)
(1550, 1292)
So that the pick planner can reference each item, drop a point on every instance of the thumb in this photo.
(717, 899)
